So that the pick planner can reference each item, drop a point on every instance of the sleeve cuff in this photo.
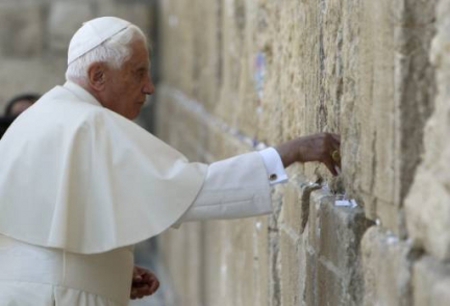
(274, 166)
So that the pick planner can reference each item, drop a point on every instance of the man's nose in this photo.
(149, 87)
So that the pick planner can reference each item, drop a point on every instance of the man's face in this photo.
(19, 107)
(126, 89)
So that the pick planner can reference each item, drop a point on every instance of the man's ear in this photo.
(96, 76)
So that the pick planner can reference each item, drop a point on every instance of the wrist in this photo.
(288, 153)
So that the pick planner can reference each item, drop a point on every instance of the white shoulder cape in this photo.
(76, 176)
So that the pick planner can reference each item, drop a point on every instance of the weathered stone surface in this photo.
(295, 210)
(334, 239)
(187, 243)
(387, 264)
(65, 18)
(37, 75)
(427, 205)
(293, 270)
(431, 282)
(21, 30)
(390, 88)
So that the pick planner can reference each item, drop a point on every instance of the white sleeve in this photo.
(274, 166)
(237, 187)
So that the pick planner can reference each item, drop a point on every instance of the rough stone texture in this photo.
(334, 238)
(431, 281)
(21, 30)
(396, 87)
(239, 72)
(427, 205)
(65, 18)
(34, 37)
(387, 264)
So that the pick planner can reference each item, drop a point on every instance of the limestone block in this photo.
(396, 87)
(335, 235)
(177, 45)
(235, 262)
(330, 287)
(387, 263)
(182, 255)
(37, 75)
(295, 209)
(293, 269)
(427, 207)
(341, 230)
(133, 11)
(431, 282)
(65, 18)
(418, 85)
(207, 53)
(349, 129)
(21, 29)
(311, 292)
(377, 103)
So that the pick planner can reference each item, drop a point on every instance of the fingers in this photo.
(144, 283)
(330, 166)
(140, 292)
(331, 157)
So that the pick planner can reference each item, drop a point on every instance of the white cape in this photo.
(76, 176)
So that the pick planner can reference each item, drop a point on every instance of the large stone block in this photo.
(22, 29)
(330, 287)
(396, 88)
(182, 255)
(341, 230)
(387, 264)
(431, 282)
(427, 204)
(293, 269)
(65, 18)
(133, 11)
(236, 262)
(295, 209)
(335, 234)
(37, 75)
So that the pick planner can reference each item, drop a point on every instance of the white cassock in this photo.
(80, 185)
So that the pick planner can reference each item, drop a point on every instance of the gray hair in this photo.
(114, 52)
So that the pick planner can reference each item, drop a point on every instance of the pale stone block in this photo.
(427, 206)
(21, 29)
(341, 230)
(431, 282)
(293, 270)
(235, 268)
(136, 12)
(330, 287)
(337, 235)
(65, 18)
(182, 255)
(387, 265)
(375, 108)
(37, 75)
(295, 208)
(396, 92)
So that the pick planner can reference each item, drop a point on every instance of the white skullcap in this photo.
(92, 34)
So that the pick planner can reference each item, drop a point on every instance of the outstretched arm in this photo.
(322, 147)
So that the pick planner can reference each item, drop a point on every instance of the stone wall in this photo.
(35, 34)
(238, 75)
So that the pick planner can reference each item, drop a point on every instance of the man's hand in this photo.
(144, 283)
(322, 147)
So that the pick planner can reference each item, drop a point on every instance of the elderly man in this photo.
(81, 184)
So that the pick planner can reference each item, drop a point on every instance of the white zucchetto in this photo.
(92, 34)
